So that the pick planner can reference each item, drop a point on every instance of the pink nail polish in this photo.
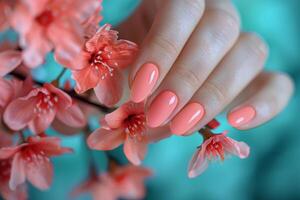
(144, 81)
(187, 118)
(241, 116)
(161, 108)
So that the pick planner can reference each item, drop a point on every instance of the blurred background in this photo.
(273, 169)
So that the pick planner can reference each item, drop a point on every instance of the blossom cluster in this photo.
(70, 31)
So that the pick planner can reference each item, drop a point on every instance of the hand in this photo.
(194, 62)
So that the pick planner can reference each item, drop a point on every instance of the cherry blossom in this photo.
(51, 24)
(30, 161)
(126, 182)
(124, 125)
(215, 146)
(100, 63)
(39, 108)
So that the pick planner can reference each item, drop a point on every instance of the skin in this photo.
(200, 43)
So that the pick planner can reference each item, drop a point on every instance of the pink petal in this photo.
(39, 171)
(121, 54)
(9, 61)
(109, 91)
(7, 152)
(40, 123)
(102, 139)
(198, 164)
(86, 79)
(19, 113)
(64, 100)
(36, 7)
(17, 176)
(134, 150)
(19, 194)
(116, 118)
(21, 14)
(49, 145)
(72, 116)
(240, 149)
(6, 92)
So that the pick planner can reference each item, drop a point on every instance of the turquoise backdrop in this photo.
(273, 169)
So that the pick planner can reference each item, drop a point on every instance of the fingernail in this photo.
(144, 81)
(187, 118)
(241, 116)
(161, 108)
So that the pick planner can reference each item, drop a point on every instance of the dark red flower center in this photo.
(215, 148)
(46, 103)
(5, 168)
(101, 67)
(135, 126)
(45, 18)
(32, 155)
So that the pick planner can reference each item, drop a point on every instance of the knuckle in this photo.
(195, 7)
(226, 18)
(166, 45)
(188, 77)
(255, 46)
(216, 92)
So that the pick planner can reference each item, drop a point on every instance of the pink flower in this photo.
(39, 107)
(124, 125)
(5, 9)
(30, 161)
(5, 171)
(126, 182)
(216, 146)
(100, 63)
(51, 24)
(10, 58)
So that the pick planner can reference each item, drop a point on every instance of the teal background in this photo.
(273, 169)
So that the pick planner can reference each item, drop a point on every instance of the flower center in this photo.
(45, 18)
(215, 149)
(100, 66)
(34, 156)
(46, 103)
(5, 168)
(135, 126)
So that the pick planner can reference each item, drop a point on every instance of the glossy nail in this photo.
(161, 108)
(241, 116)
(144, 81)
(187, 118)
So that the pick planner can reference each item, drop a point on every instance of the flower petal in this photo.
(109, 91)
(102, 139)
(7, 152)
(85, 78)
(240, 149)
(40, 123)
(198, 164)
(134, 150)
(72, 116)
(39, 171)
(116, 118)
(9, 60)
(17, 176)
(19, 113)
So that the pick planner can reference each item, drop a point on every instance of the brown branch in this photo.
(72, 93)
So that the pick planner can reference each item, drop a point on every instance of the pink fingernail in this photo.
(187, 118)
(161, 108)
(241, 116)
(144, 82)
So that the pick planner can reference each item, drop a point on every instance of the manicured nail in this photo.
(187, 118)
(161, 108)
(144, 81)
(241, 116)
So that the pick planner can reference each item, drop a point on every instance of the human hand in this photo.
(194, 62)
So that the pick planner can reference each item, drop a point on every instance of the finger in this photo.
(211, 40)
(269, 93)
(174, 23)
(239, 67)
